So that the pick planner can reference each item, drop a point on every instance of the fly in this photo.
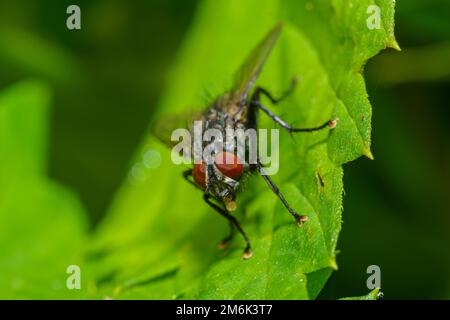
(220, 179)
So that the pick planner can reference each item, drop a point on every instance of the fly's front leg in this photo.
(247, 252)
(186, 175)
(299, 219)
(226, 241)
(234, 224)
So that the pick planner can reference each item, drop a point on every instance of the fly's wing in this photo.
(164, 127)
(250, 70)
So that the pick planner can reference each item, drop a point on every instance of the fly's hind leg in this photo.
(233, 221)
(259, 90)
(256, 104)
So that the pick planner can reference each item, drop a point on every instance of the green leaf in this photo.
(375, 294)
(24, 111)
(42, 231)
(42, 225)
(159, 238)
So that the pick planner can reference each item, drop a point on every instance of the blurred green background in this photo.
(107, 77)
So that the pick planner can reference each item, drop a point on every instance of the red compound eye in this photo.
(229, 164)
(199, 174)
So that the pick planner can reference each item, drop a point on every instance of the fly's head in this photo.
(220, 178)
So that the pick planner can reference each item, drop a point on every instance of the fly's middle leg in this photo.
(299, 219)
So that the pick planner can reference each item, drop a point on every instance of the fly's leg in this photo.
(226, 241)
(259, 90)
(247, 252)
(330, 124)
(299, 219)
(186, 175)
(255, 103)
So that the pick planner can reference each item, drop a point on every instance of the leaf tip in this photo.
(379, 293)
(333, 264)
(394, 45)
(367, 152)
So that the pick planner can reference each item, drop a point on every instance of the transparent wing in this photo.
(164, 126)
(250, 70)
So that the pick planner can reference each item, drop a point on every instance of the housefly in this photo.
(220, 179)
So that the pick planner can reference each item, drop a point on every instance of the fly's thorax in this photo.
(233, 106)
(228, 116)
